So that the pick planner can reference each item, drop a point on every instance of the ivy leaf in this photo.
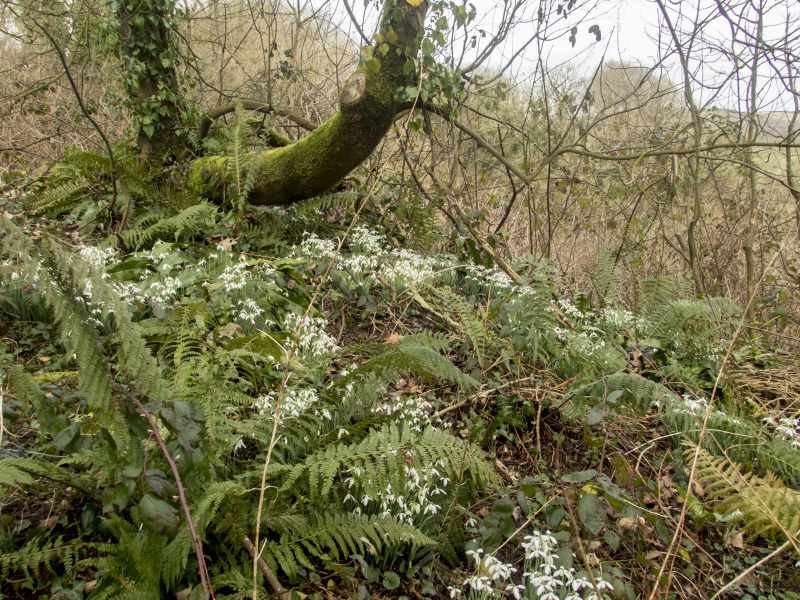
(555, 516)
(595, 29)
(503, 508)
(390, 580)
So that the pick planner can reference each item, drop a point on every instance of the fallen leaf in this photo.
(227, 243)
(393, 338)
(49, 522)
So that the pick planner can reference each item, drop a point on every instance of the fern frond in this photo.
(382, 458)
(767, 506)
(309, 208)
(333, 537)
(188, 222)
(13, 476)
(57, 197)
(406, 356)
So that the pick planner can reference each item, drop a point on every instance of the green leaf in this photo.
(503, 508)
(428, 47)
(158, 515)
(612, 539)
(579, 476)
(390, 580)
(115, 498)
(592, 514)
(555, 516)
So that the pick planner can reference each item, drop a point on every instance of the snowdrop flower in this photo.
(602, 584)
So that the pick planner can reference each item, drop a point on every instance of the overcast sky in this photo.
(629, 28)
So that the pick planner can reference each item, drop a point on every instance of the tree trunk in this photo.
(367, 108)
(151, 81)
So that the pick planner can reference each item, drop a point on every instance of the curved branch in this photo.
(367, 107)
(224, 109)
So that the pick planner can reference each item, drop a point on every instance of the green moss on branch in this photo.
(318, 162)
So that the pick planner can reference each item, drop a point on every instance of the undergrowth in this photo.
(437, 422)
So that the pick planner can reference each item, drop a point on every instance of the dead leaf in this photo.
(737, 541)
(393, 338)
(592, 560)
(227, 243)
(626, 524)
(49, 522)
(370, 547)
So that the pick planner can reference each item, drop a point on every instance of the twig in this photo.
(264, 567)
(581, 551)
(198, 545)
(752, 568)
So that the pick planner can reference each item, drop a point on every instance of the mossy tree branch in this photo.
(367, 108)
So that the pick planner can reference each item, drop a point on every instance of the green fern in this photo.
(736, 437)
(56, 197)
(381, 459)
(407, 356)
(148, 229)
(13, 476)
(767, 506)
(335, 536)
(327, 202)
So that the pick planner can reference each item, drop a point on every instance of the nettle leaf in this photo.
(591, 513)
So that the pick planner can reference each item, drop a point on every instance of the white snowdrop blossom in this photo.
(97, 257)
(235, 276)
(313, 246)
(542, 579)
(249, 311)
(411, 409)
(313, 340)
(787, 429)
(294, 402)
(406, 269)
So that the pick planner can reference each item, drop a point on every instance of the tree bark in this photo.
(151, 80)
(367, 108)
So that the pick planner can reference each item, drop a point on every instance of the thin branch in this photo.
(198, 545)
